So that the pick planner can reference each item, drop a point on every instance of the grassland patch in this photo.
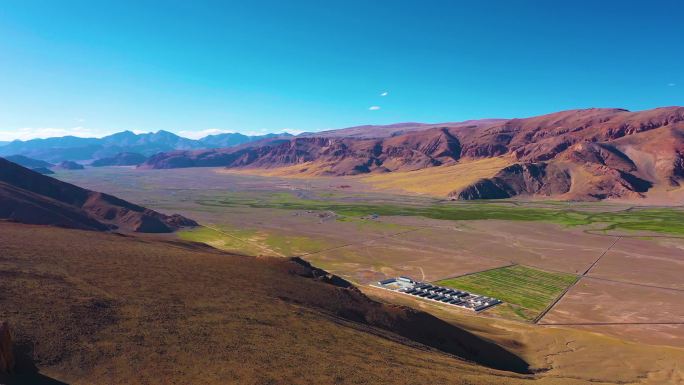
(252, 242)
(233, 240)
(526, 291)
(669, 220)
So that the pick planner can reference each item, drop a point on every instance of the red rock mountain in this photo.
(29, 197)
(578, 154)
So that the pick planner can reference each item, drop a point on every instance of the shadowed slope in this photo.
(29, 197)
(27, 162)
(123, 308)
(412, 324)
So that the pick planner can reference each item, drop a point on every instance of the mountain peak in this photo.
(165, 133)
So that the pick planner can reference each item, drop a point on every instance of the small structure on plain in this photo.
(445, 295)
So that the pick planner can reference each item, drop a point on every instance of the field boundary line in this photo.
(477, 272)
(555, 301)
(601, 256)
(567, 289)
(634, 283)
(609, 323)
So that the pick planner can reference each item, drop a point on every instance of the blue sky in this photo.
(97, 67)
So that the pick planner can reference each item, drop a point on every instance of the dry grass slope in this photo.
(438, 181)
(433, 181)
(301, 170)
(122, 309)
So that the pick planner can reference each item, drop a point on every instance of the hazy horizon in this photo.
(6, 136)
(89, 70)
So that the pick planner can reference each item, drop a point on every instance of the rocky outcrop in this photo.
(526, 178)
(600, 154)
(677, 169)
(489, 188)
(609, 183)
(598, 182)
(6, 349)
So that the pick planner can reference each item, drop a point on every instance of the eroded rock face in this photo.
(600, 154)
(609, 183)
(522, 178)
(6, 354)
(617, 152)
(678, 169)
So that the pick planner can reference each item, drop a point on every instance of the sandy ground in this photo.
(655, 262)
(649, 315)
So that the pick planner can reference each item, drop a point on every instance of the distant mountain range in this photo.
(85, 149)
(589, 154)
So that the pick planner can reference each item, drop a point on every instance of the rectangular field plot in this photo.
(639, 313)
(654, 262)
(525, 291)
(400, 255)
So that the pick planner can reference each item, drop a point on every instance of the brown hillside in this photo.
(29, 197)
(121, 309)
(601, 153)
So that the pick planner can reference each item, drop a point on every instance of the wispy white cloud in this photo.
(374, 108)
(385, 93)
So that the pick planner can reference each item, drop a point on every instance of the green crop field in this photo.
(525, 291)
(670, 220)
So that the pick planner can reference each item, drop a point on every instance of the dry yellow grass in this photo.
(150, 310)
(141, 310)
(303, 170)
(435, 181)
(438, 181)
